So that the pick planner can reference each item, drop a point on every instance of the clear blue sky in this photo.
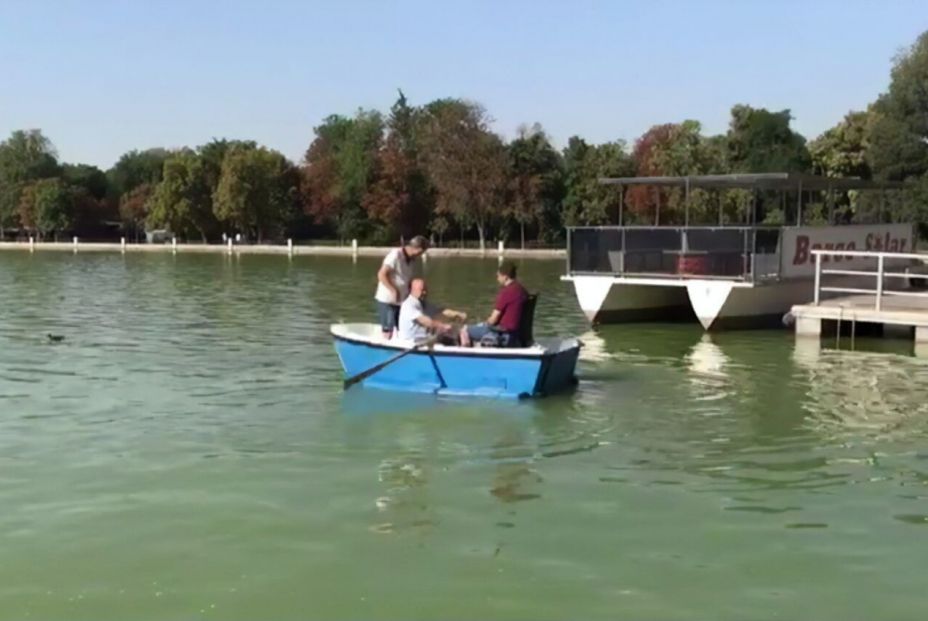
(101, 78)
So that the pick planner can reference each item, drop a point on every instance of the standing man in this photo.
(398, 269)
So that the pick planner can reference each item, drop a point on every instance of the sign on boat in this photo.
(727, 276)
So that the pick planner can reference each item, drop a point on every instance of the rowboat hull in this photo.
(543, 369)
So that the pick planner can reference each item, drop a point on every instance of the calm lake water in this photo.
(188, 452)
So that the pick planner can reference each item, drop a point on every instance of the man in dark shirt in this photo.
(501, 328)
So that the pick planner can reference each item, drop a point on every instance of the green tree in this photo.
(90, 188)
(587, 202)
(213, 154)
(762, 141)
(181, 201)
(90, 178)
(47, 207)
(27, 155)
(536, 183)
(899, 136)
(136, 168)
(899, 125)
(842, 151)
(340, 168)
(466, 163)
(257, 191)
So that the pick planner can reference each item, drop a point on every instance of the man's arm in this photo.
(385, 275)
(493, 319)
(450, 313)
(432, 324)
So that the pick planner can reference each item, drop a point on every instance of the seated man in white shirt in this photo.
(419, 319)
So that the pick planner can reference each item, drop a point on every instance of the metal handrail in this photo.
(713, 227)
(880, 273)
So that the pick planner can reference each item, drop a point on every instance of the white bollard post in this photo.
(290, 247)
(230, 245)
(174, 245)
(501, 248)
(354, 247)
(75, 243)
(31, 243)
(122, 245)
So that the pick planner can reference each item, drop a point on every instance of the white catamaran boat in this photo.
(725, 276)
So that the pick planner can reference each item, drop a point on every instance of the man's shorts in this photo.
(486, 336)
(388, 315)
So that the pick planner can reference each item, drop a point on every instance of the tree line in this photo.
(440, 169)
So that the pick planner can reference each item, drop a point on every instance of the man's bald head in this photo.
(417, 287)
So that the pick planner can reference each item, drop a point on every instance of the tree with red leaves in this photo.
(672, 149)
(340, 168)
(399, 201)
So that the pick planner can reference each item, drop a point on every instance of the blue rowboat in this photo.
(546, 367)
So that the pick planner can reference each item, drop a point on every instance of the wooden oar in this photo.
(363, 375)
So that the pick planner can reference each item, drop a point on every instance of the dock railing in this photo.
(860, 260)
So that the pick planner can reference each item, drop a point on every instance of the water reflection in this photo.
(873, 396)
(706, 360)
(594, 347)
(514, 478)
(419, 439)
(404, 504)
(708, 371)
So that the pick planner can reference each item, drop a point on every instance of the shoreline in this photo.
(272, 249)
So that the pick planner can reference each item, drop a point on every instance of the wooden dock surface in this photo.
(894, 310)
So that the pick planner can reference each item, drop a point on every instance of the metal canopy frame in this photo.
(777, 181)
(758, 181)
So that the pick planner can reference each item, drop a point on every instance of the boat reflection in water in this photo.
(430, 436)
(419, 441)
(707, 360)
(404, 503)
(708, 372)
(594, 348)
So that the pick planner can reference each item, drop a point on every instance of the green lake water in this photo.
(187, 452)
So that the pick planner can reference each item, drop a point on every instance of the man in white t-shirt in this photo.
(419, 318)
(398, 269)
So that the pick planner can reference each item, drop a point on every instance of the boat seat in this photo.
(526, 323)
